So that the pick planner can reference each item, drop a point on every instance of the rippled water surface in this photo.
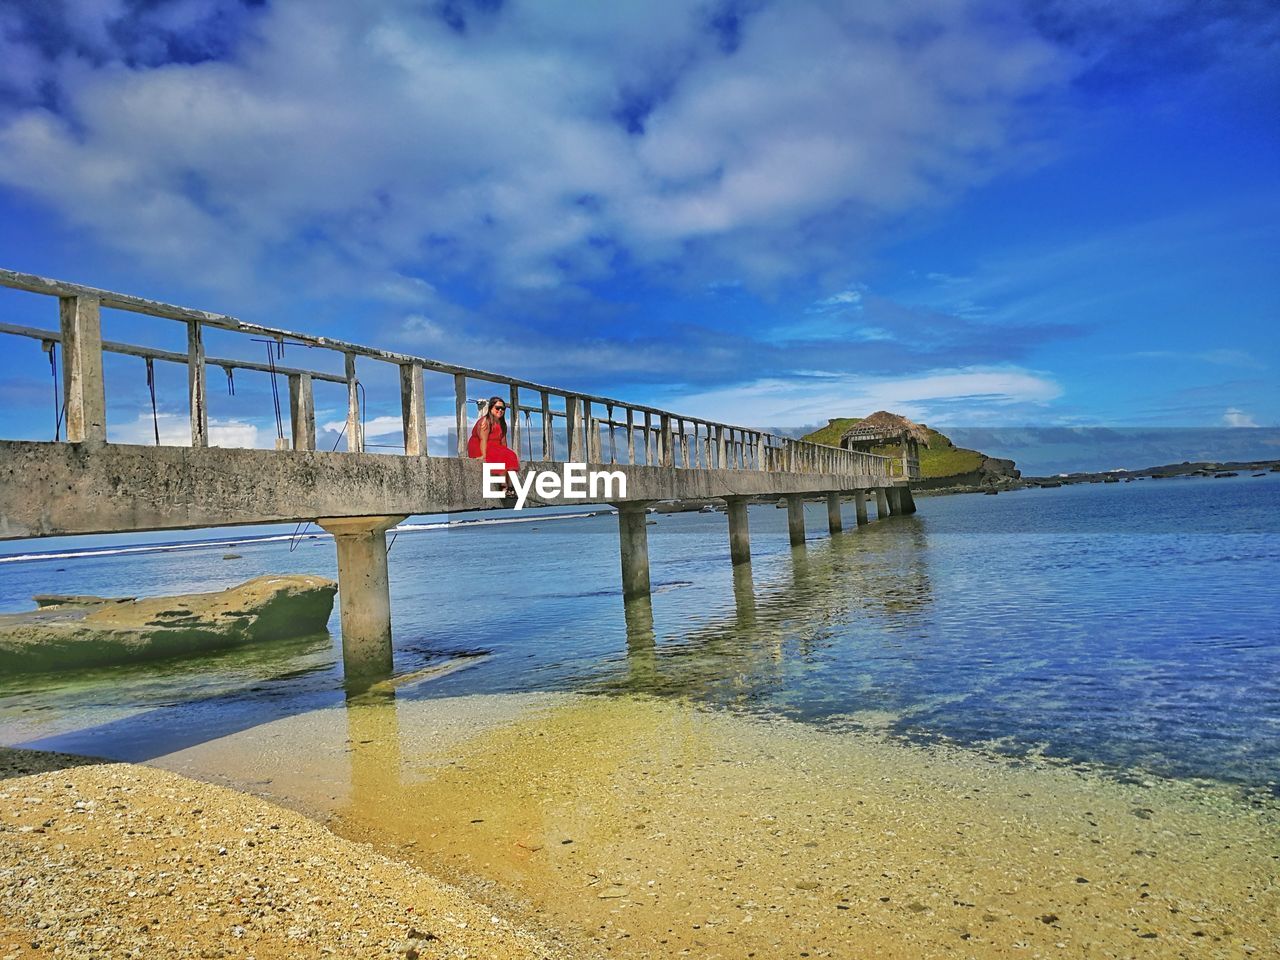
(1129, 625)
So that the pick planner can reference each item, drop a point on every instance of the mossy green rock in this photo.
(89, 631)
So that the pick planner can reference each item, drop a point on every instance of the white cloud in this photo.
(969, 395)
(175, 431)
(1238, 418)
(345, 141)
(845, 299)
(373, 427)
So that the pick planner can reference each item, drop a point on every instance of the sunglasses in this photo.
(497, 406)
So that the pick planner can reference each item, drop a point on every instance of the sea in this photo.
(1130, 627)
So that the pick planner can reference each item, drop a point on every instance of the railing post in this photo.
(460, 412)
(302, 411)
(548, 429)
(513, 408)
(631, 435)
(665, 441)
(82, 386)
(648, 439)
(573, 424)
(760, 452)
(355, 434)
(588, 427)
(684, 445)
(196, 385)
(594, 452)
(413, 410)
(720, 451)
(706, 447)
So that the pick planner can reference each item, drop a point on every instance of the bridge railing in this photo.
(572, 425)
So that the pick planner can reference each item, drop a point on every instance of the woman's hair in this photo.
(502, 421)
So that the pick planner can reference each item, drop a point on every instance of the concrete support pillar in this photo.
(363, 595)
(795, 519)
(882, 504)
(895, 501)
(835, 523)
(739, 537)
(860, 506)
(633, 544)
(908, 501)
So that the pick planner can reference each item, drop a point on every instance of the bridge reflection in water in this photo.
(743, 660)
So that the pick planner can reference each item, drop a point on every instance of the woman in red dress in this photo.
(489, 440)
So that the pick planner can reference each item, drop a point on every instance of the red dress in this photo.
(497, 451)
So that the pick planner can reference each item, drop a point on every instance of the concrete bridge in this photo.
(80, 483)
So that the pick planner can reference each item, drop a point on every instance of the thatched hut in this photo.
(883, 428)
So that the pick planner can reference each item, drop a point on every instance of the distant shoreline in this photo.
(1200, 468)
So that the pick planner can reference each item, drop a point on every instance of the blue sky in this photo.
(983, 215)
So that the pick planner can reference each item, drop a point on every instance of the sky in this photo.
(1058, 215)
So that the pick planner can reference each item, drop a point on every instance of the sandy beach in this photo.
(118, 860)
(642, 828)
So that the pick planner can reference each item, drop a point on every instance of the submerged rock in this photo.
(77, 631)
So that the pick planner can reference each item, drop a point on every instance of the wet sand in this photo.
(116, 860)
(647, 828)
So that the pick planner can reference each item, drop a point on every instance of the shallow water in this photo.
(1130, 626)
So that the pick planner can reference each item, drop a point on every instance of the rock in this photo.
(86, 631)
(686, 506)
(76, 600)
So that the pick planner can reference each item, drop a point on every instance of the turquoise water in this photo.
(1131, 626)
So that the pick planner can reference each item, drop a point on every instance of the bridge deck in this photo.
(57, 489)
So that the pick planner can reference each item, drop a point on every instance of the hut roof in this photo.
(885, 425)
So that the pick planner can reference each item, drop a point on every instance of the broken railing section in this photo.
(572, 426)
